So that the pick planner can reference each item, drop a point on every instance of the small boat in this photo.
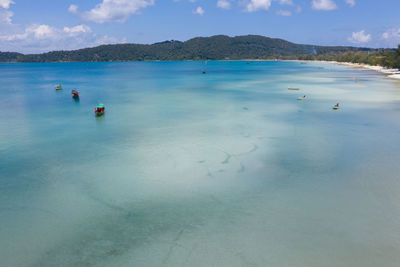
(336, 106)
(204, 72)
(75, 94)
(293, 88)
(59, 87)
(99, 109)
(302, 98)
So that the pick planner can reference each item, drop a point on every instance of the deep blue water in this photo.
(225, 168)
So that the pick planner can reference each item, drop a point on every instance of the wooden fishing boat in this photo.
(99, 109)
(75, 94)
(59, 87)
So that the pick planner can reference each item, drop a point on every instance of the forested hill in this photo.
(200, 48)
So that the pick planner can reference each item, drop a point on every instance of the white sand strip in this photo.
(391, 73)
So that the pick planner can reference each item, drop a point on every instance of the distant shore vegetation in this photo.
(218, 47)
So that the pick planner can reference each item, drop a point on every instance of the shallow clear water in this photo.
(185, 169)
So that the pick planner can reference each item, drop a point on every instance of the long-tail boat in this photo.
(75, 94)
(99, 109)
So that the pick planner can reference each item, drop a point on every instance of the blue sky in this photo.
(44, 25)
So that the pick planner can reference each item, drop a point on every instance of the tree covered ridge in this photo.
(217, 47)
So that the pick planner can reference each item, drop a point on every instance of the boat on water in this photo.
(293, 88)
(59, 87)
(336, 106)
(75, 94)
(99, 109)
(302, 97)
(204, 72)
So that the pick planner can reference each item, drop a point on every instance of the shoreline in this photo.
(390, 73)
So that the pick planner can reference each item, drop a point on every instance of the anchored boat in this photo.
(75, 94)
(59, 87)
(302, 98)
(336, 106)
(99, 109)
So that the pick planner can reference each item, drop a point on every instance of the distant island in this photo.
(219, 47)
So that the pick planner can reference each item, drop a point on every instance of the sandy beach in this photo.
(390, 73)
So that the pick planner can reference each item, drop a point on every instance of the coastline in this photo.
(390, 73)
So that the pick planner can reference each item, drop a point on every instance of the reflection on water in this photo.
(226, 169)
(100, 118)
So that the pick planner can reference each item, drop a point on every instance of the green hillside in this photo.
(217, 47)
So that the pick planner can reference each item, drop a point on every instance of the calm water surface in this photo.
(185, 169)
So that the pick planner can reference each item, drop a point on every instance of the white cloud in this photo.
(360, 37)
(115, 10)
(285, 13)
(42, 38)
(107, 40)
(5, 16)
(351, 3)
(323, 5)
(199, 11)
(255, 5)
(77, 29)
(41, 31)
(6, 3)
(391, 37)
(392, 33)
(286, 2)
(224, 4)
(73, 9)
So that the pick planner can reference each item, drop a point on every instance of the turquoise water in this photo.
(185, 169)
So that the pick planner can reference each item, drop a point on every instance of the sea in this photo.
(225, 168)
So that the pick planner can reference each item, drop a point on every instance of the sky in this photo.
(35, 26)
